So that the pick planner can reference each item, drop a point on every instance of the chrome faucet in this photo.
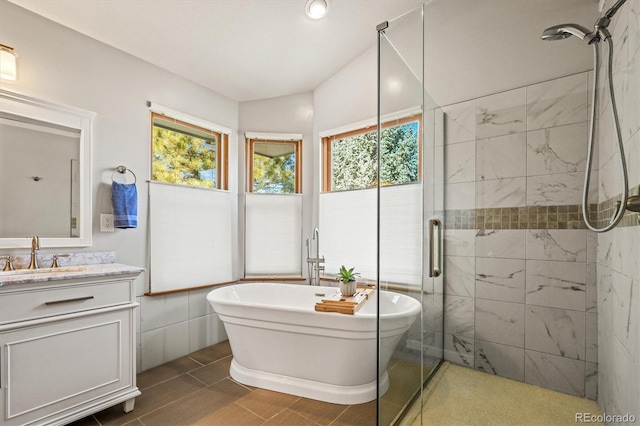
(316, 264)
(35, 246)
(316, 236)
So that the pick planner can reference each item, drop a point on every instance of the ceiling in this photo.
(256, 49)
(242, 49)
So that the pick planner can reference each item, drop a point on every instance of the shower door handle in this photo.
(435, 253)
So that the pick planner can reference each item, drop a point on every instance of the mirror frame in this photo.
(76, 118)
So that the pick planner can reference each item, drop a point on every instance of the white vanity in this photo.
(67, 343)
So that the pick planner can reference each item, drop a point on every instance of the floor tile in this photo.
(136, 422)
(320, 412)
(357, 415)
(165, 372)
(405, 381)
(212, 373)
(267, 403)
(388, 412)
(289, 418)
(197, 390)
(230, 415)
(212, 353)
(199, 407)
(151, 399)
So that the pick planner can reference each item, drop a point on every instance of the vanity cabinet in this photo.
(67, 347)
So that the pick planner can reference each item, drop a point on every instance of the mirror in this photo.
(45, 173)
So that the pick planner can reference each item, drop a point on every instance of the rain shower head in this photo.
(562, 31)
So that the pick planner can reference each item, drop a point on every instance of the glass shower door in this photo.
(409, 215)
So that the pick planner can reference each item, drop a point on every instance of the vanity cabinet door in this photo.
(50, 373)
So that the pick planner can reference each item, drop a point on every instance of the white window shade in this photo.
(348, 229)
(190, 237)
(273, 235)
(401, 234)
(347, 225)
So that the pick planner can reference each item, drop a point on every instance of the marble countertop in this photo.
(23, 276)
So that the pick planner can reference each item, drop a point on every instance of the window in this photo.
(186, 154)
(188, 221)
(274, 166)
(350, 159)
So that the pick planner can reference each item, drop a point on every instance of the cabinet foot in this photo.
(128, 405)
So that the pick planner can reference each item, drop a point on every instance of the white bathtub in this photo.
(279, 342)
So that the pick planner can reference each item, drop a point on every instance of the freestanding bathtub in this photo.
(279, 342)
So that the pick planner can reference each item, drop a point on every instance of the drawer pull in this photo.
(76, 299)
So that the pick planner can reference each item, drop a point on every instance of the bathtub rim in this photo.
(310, 309)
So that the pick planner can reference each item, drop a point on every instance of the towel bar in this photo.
(123, 170)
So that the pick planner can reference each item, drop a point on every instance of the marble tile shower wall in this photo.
(520, 294)
(619, 250)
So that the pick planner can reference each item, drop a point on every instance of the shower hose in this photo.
(617, 217)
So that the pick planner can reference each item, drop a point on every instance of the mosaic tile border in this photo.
(538, 217)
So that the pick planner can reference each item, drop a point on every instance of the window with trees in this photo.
(274, 166)
(190, 209)
(186, 154)
(350, 159)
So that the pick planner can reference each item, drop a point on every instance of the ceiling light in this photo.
(316, 9)
(7, 63)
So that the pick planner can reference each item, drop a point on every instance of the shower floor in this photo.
(197, 390)
(461, 396)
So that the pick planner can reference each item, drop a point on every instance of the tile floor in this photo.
(197, 390)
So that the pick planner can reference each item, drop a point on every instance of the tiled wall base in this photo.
(174, 325)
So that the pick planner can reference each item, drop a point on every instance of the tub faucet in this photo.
(35, 246)
(316, 264)
(316, 236)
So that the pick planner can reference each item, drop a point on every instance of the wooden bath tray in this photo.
(345, 305)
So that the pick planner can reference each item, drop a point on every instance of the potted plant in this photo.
(347, 280)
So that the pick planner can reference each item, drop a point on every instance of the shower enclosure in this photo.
(410, 210)
(526, 287)
(502, 163)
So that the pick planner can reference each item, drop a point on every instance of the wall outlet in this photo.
(106, 223)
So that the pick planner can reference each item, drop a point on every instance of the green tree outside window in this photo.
(184, 159)
(354, 158)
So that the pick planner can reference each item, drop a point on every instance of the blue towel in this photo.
(125, 205)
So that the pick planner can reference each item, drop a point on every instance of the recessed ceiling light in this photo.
(316, 9)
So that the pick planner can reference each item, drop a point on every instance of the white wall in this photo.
(63, 66)
(476, 48)
(286, 114)
(347, 97)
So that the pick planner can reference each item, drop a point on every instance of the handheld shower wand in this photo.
(599, 33)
